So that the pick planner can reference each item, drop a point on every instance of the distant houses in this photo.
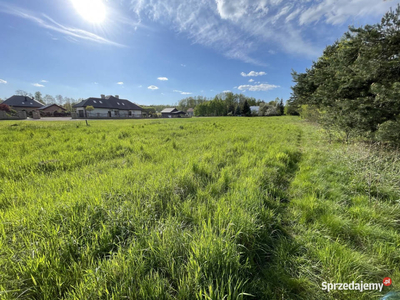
(52, 110)
(105, 107)
(108, 107)
(172, 112)
(23, 103)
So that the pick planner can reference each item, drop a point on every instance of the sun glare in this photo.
(91, 10)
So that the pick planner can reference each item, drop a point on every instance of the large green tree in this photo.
(355, 84)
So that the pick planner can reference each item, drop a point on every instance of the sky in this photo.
(160, 51)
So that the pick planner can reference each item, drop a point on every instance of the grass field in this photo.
(208, 208)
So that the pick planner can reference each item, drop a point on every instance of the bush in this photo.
(310, 113)
(5, 107)
(389, 131)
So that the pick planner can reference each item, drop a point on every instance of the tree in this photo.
(1, 100)
(48, 99)
(281, 107)
(246, 111)
(60, 99)
(355, 84)
(21, 93)
(38, 97)
(238, 110)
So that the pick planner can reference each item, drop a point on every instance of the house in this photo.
(23, 103)
(52, 110)
(254, 110)
(190, 112)
(172, 112)
(108, 107)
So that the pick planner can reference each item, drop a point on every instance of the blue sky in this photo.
(160, 51)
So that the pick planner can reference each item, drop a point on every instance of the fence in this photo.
(21, 115)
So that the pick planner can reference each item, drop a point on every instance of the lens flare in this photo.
(93, 11)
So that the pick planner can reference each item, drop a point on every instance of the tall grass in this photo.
(216, 208)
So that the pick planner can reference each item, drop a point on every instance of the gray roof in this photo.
(190, 110)
(22, 101)
(169, 110)
(110, 103)
(50, 105)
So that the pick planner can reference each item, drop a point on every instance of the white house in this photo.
(108, 107)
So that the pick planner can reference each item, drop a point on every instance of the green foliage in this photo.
(246, 109)
(356, 82)
(38, 97)
(309, 112)
(237, 110)
(89, 108)
(389, 132)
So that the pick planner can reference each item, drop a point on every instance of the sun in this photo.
(93, 11)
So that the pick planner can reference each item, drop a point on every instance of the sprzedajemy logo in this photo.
(356, 286)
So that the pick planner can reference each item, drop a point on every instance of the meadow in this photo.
(202, 208)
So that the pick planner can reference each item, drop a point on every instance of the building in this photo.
(108, 107)
(52, 110)
(190, 112)
(172, 112)
(23, 103)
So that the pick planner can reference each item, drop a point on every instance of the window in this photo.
(31, 103)
(123, 103)
(23, 102)
(118, 103)
(94, 101)
(100, 101)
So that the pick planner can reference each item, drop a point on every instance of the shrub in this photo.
(5, 107)
(389, 131)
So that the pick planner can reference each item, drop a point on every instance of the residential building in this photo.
(172, 112)
(52, 110)
(108, 107)
(23, 103)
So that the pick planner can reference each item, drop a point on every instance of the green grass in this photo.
(212, 208)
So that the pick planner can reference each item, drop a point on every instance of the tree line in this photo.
(230, 104)
(354, 87)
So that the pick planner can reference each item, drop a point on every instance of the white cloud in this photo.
(339, 11)
(162, 78)
(251, 80)
(240, 28)
(182, 93)
(227, 91)
(43, 81)
(37, 84)
(3, 81)
(120, 83)
(257, 88)
(152, 87)
(253, 74)
(48, 23)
